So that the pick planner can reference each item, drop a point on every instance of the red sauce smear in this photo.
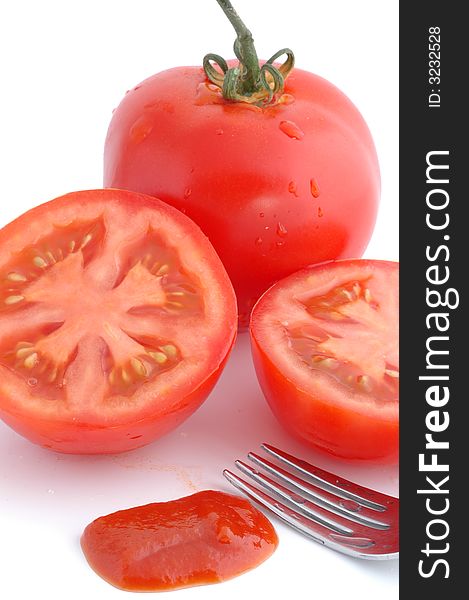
(204, 538)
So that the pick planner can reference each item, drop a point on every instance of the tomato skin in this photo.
(323, 425)
(274, 189)
(72, 438)
(313, 415)
(102, 420)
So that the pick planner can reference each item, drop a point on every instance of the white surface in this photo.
(65, 65)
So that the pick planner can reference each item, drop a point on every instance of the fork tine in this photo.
(321, 517)
(282, 511)
(354, 546)
(332, 483)
(325, 500)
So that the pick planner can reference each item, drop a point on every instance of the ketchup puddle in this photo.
(204, 538)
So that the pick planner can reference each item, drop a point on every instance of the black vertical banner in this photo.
(434, 253)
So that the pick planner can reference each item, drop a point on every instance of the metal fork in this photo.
(342, 515)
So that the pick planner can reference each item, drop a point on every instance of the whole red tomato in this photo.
(279, 173)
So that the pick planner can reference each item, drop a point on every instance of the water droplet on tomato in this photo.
(292, 188)
(279, 244)
(32, 381)
(208, 93)
(286, 99)
(140, 129)
(292, 130)
(261, 214)
(187, 193)
(320, 213)
(267, 227)
(258, 241)
(281, 230)
(219, 132)
(314, 188)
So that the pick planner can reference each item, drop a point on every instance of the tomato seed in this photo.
(16, 277)
(364, 381)
(330, 363)
(31, 360)
(24, 351)
(14, 299)
(170, 350)
(163, 270)
(39, 262)
(138, 367)
(159, 357)
(86, 240)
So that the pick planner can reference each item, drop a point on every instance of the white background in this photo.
(65, 66)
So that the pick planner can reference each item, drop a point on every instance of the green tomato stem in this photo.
(248, 82)
(244, 50)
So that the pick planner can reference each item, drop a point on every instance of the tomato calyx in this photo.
(248, 81)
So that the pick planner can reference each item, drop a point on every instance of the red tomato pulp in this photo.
(325, 347)
(274, 187)
(204, 538)
(116, 318)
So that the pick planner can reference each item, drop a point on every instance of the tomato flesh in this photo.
(275, 188)
(325, 347)
(116, 317)
(204, 538)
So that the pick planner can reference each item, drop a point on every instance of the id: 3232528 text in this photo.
(434, 66)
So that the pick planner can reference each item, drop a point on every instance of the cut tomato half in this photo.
(116, 318)
(325, 347)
